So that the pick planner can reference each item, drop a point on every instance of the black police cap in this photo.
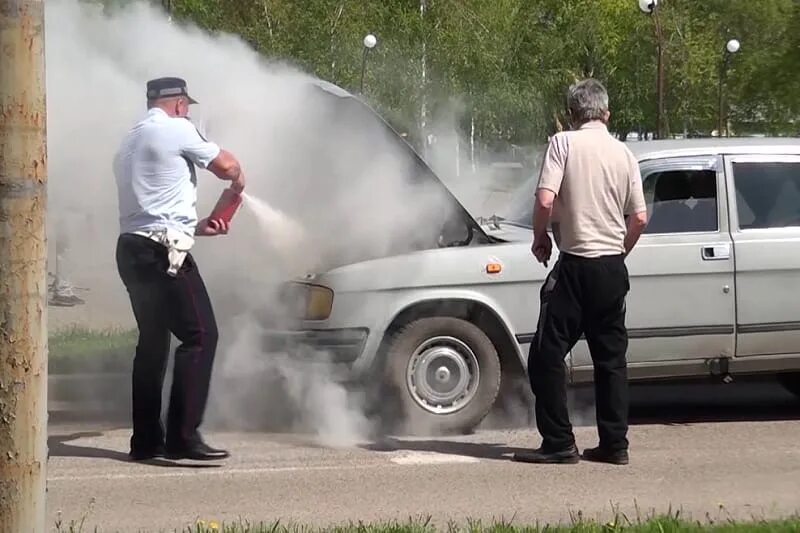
(167, 88)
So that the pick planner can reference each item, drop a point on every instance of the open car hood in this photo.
(349, 130)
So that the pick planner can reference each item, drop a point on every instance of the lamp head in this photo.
(648, 6)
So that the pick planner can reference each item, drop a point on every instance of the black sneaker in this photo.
(599, 455)
(541, 456)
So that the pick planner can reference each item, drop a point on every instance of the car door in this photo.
(681, 303)
(766, 239)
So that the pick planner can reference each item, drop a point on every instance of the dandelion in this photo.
(213, 524)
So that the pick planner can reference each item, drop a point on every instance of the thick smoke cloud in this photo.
(316, 162)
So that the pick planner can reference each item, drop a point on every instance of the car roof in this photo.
(644, 150)
(714, 146)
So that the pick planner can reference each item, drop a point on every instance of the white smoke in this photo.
(336, 177)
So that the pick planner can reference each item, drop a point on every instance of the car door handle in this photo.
(716, 252)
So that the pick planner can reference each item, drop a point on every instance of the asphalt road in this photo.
(728, 451)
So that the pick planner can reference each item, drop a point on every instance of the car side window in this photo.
(767, 194)
(681, 201)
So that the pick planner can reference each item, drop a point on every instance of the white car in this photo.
(713, 289)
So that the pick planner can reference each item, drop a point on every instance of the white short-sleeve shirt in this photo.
(155, 173)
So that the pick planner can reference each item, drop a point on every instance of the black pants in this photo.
(582, 296)
(164, 304)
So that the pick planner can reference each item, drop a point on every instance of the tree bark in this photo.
(23, 257)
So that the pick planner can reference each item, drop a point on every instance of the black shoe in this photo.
(144, 454)
(542, 456)
(198, 452)
(599, 455)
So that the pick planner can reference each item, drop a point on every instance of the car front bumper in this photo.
(340, 347)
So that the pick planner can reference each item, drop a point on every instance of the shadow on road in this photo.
(690, 403)
(58, 447)
(754, 400)
(666, 404)
(694, 402)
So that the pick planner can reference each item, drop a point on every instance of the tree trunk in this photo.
(23, 257)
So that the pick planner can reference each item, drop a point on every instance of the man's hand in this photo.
(542, 248)
(238, 183)
(211, 228)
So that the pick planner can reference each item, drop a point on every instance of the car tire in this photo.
(790, 382)
(432, 359)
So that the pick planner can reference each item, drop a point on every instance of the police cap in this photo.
(167, 88)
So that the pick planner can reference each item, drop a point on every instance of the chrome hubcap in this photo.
(443, 375)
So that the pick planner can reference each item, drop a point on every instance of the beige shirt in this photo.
(597, 183)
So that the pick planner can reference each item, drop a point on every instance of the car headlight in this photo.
(319, 302)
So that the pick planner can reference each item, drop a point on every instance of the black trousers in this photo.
(163, 304)
(582, 296)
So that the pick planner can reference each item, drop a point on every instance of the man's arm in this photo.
(550, 177)
(226, 167)
(635, 207)
(210, 156)
(635, 226)
(542, 210)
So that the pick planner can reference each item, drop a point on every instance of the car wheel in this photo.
(791, 382)
(446, 374)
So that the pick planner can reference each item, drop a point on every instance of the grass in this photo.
(667, 523)
(77, 349)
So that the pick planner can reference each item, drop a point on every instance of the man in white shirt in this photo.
(157, 194)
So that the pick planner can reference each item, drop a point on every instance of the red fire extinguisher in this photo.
(227, 205)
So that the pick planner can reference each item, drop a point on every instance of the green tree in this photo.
(506, 64)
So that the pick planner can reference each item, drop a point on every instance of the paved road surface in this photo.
(685, 453)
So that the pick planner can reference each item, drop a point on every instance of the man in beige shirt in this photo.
(590, 190)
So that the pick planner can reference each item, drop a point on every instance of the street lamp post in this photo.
(423, 89)
(731, 47)
(370, 41)
(650, 7)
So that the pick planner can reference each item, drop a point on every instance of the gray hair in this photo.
(587, 100)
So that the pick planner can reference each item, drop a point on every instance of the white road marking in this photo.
(432, 458)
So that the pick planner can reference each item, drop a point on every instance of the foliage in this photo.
(505, 64)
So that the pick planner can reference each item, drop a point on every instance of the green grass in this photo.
(669, 523)
(76, 349)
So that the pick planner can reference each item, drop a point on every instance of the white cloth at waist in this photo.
(178, 244)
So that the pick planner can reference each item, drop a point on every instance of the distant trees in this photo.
(503, 65)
